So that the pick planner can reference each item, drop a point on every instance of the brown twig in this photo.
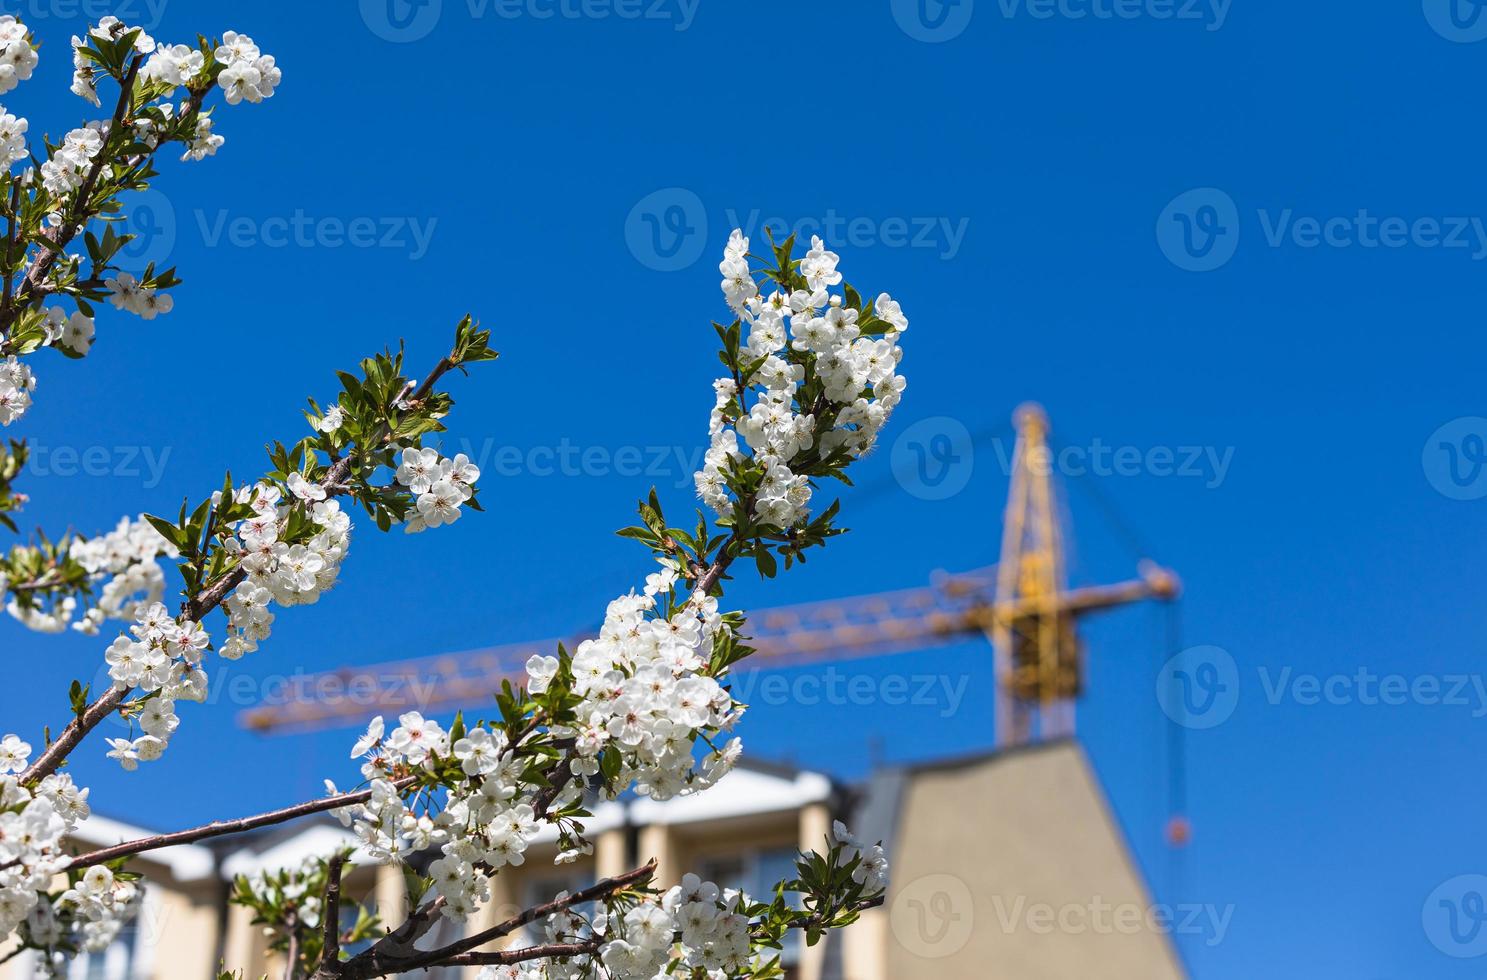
(291, 955)
(219, 828)
(506, 957)
(391, 955)
(332, 910)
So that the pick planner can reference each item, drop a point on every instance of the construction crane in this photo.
(1023, 605)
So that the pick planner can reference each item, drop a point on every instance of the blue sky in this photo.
(1247, 235)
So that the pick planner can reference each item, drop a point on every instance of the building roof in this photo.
(185, 862)
(748, 790)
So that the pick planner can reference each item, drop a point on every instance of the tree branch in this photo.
(34, 284)
(196, 608)
(220, 828)
(291, 955)
(396, 955)
(506, 957)
(331, 911)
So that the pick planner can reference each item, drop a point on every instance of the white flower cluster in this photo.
(132, 297)
(68, 166)
(442, 486)
(859, 375)
(33, 824)
(872, 872)
(714, 934)
(12, 138)
(645, 693)
(99, 902)
(692, 926)
(83, 83)
(16, 384)
(175, 64)
(126, 557)
(128, 553)
(479, 824)
(17, 57)
(163, 658)
(291, 575)
(249, 74)
(73, 332)
(204, 143)
(40, 619)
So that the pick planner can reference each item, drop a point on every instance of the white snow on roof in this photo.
(606, 816)
(317, 840)
(743, 792)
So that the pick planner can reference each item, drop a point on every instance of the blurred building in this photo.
(1004, 865)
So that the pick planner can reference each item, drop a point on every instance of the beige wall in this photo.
(1014, 867)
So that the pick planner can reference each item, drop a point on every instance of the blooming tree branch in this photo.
(76, 190)
(643, 706)
(280, 541)
(646, 707)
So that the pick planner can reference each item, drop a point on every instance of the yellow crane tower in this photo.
(1034, 616)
